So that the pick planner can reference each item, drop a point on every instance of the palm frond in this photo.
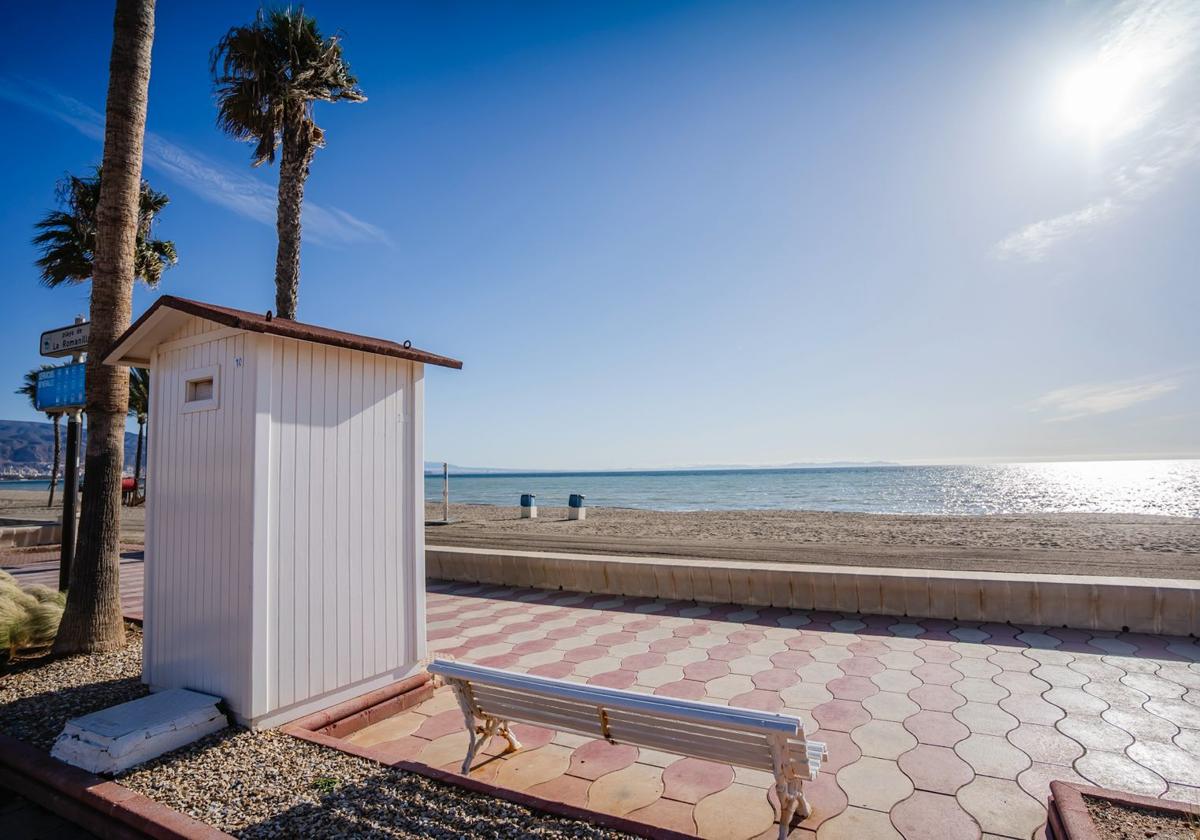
(66, 237)
(139, 392)
(276, 64)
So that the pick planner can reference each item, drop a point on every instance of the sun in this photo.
(1099, 98)
(1089, 99)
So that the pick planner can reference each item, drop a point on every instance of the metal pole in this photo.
(70, 495)
(66, 554)
(445, 492)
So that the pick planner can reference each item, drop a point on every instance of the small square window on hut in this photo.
(200, 389)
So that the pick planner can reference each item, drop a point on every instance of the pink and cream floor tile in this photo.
(934, 728)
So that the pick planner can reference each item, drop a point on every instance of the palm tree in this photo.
(92, 619)
(267, 76)
(29, 389)
(139, 407)
(67, 236)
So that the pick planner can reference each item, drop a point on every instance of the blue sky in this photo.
(668, 234)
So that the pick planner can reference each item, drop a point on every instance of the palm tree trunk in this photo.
(57, 449)
(294, 160)
(92, 618)
(137, 458)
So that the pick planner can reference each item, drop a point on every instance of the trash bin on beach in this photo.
(528, 506)
(575, 507)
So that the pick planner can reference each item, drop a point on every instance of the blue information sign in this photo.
(61, 387)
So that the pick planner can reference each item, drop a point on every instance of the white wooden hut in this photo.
(285, 554)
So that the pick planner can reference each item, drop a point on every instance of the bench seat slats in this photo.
(500, 703)
(748, 719)
(755, 756)
(643, 731)
(739, 737)
(573, 724)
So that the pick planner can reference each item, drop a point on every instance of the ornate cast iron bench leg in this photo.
(506, 734)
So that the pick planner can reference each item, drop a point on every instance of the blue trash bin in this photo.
(528, 506)
(575, 500)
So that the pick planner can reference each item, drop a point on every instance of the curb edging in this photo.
(351, 715)
(99, 805)
(1068, 817)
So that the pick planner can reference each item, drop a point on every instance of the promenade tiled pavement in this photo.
(935, 728)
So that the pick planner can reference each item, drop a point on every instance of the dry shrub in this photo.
(46, 595)
(28, 617)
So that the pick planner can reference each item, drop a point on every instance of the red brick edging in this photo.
(352, 715)
(101, 806)
(1068, 817)
(325, 727)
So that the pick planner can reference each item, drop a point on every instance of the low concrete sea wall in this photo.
(1087, 603)
(26, 534)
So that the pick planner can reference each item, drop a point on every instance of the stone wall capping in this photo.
(1086, 602)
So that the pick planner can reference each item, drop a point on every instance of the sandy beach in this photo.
(30, 506)
(1097, 544)
(1068, 543)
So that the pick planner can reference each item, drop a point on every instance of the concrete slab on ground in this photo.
(123, 736)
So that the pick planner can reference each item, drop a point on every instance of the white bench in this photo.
(741, 737)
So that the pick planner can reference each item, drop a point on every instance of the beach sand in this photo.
(30, 506)
(1067, 543)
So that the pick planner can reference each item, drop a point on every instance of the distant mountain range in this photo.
(435, 468)
(27, 448)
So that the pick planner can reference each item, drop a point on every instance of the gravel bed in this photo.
(267, 784)
(263, 784)
(1115, 821)
(38, 696)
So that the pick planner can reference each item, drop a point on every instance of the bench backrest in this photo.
(743, 737)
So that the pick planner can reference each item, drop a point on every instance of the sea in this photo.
(1165, 488)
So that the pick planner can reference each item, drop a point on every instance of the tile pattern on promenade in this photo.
(935, 728)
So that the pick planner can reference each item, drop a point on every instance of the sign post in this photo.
(445, 492)
(66, 555)
(63, 389)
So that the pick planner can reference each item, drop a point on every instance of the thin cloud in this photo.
(239, 192)
(1034, 241)
(1079, 401)
(1161, 39)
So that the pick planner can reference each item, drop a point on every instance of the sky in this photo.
(670, 234)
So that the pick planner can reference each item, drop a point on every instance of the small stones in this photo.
(39, 698)
(267, 784)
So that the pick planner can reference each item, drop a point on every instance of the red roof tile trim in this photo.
(287, 328)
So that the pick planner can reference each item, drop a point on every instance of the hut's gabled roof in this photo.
(168, 313)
